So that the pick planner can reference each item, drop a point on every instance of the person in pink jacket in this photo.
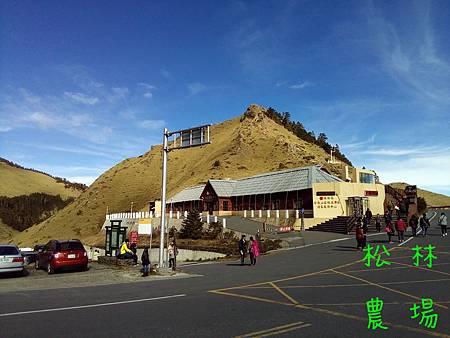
(253, 251)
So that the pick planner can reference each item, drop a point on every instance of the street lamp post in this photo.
(186, 138)
(163, 197)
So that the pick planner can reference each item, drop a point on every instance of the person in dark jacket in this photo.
(424, 224)
(133, 248)
(145, 259)
(413, 222)
(365, 224)
(378, 222)
(242, 248)
(368, 215)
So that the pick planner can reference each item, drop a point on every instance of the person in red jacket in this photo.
(360, 238)
(400, 226)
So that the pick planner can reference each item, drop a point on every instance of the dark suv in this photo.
(58, 255)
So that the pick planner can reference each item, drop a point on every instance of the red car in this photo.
(58, 255)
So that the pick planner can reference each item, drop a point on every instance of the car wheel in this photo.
(50, 269)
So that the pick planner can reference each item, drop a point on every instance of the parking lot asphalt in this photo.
(317, 291)
(97, 275)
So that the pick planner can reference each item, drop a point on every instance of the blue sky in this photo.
(85, 84)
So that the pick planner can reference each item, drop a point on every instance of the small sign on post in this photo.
(134, 237)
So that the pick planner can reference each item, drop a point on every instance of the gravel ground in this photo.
(97, 274)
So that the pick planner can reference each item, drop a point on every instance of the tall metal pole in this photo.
(163, 198)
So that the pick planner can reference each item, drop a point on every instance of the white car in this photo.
(11, 260)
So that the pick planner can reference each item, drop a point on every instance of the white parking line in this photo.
(410, 238)
(88, 306)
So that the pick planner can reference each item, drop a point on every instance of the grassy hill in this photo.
(28, 196)
(431, 198)
(16, 181)
(6, 233)
(243, 146)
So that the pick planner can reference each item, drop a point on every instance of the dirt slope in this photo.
(432, 198)
(243, 146)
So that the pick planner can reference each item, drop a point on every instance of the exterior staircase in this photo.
(340, 225)
(346, 225)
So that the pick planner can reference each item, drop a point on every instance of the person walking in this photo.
(424, 224)
(378, 222)
(145, 260)
(400, 227)
(413, 222)
(365, 224)
(389, 231)
(173, 252)
(242, 248)
(442, 221)
(387, 218)
(258, 236)
(360, 238)
(253, 250)
(368, 216)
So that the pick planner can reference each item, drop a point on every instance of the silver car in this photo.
(11, 260)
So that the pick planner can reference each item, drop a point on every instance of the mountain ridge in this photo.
(246, 145)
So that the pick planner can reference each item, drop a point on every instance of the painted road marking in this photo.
(275, 330)
(293, 301)
(386, 288)
(348, 285)
(89, 306)
(421, 268)
(333, 313)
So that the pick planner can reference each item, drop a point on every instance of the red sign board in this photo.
(134, 237)
(370, 193)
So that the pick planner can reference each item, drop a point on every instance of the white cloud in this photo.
(413, 59)
(82, 98)
(118, 93)
(280, 83)
(165, 73)
(42, 120)
(73, 150)
(88, 180)
(147, 89)
(4, 128)
(127, 114)
(196, 88)
(151, 124)
(420, 165)
(358, 144)
(301, 85)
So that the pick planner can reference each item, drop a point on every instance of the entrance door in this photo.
(355, 205)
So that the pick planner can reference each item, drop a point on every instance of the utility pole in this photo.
(131, 208)
(186, 138)
(163, 197)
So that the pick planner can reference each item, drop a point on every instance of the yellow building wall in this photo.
(337, 205)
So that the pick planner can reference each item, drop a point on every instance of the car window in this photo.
(8, 250)
(66, 246)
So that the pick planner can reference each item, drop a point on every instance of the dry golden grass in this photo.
(6, 232)
(15, 181)
(432, 198)
(243, 146)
